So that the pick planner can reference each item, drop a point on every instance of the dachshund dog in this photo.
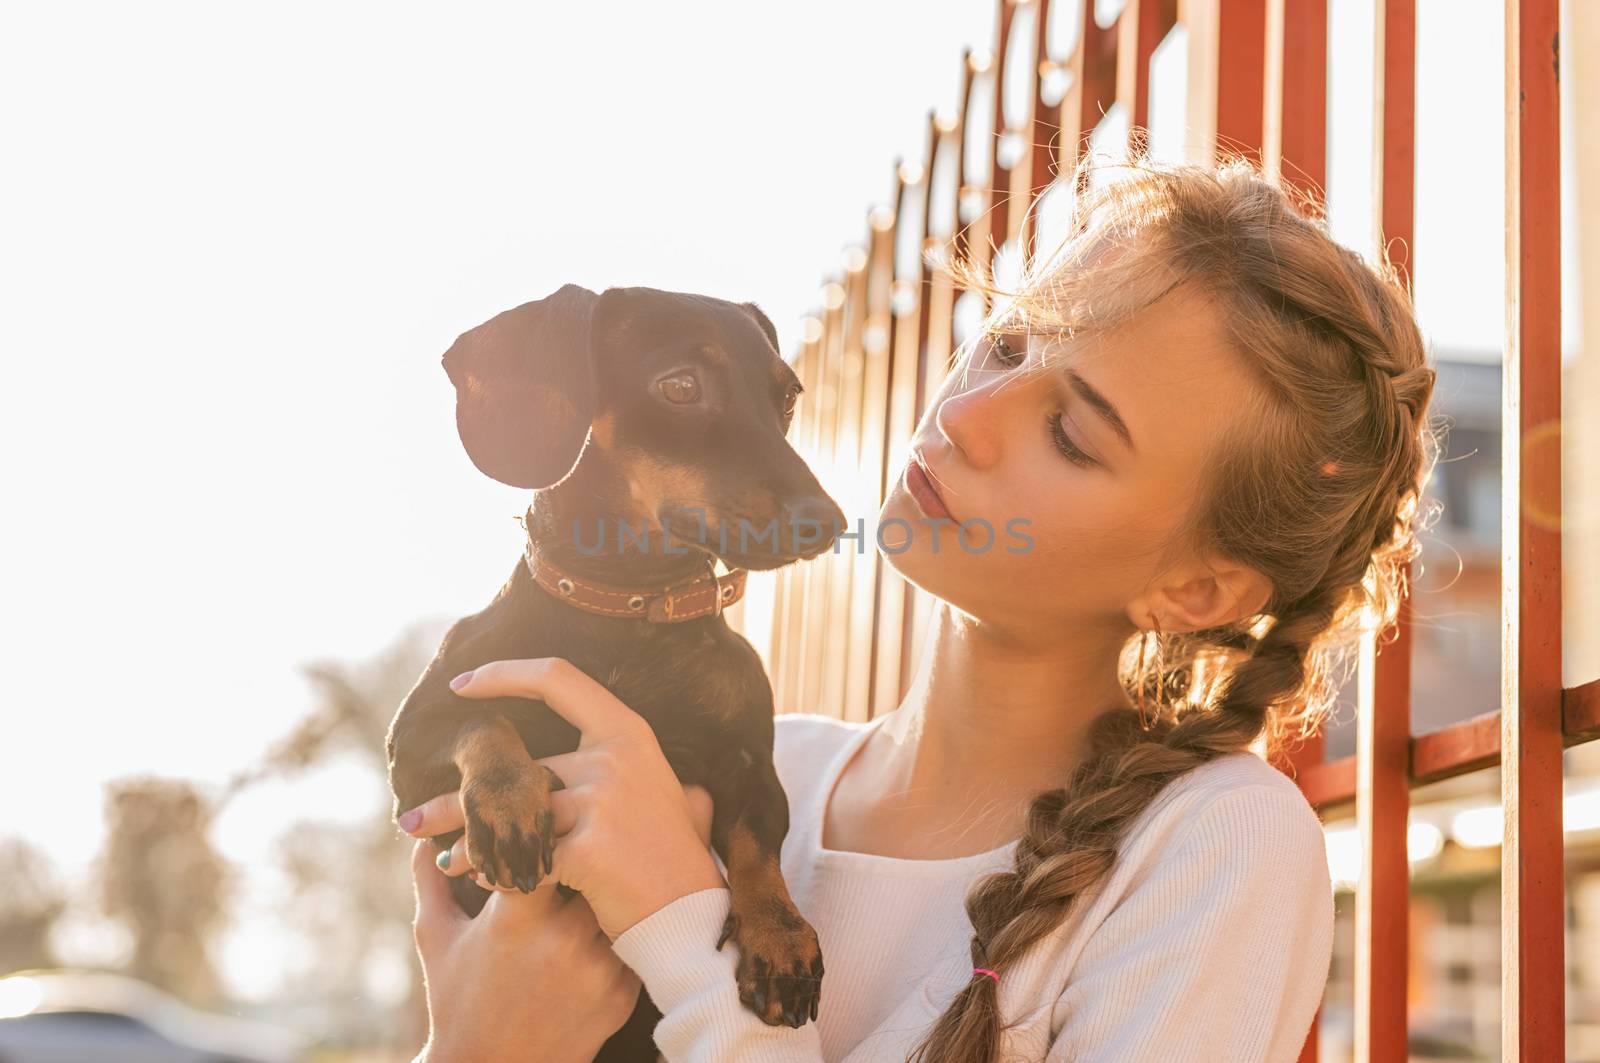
(631, 412)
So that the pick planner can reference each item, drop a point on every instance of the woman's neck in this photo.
(989, 719)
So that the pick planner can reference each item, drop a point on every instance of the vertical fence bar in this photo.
(1093, 66)
(797, 594)
(960, 239)
(895, 593)
(911, 316)
(786, 587)
(937, 292)
(1019, 126)
(874, 398)
(1532, 902)
(973, 238)
(1295, 153)
(1383, 896)
(1241, 58)
(1140, 29)
(817, 674)
(889, 588)
(843, 554)
(846, 438)
(1000, 205)
(1045, 133)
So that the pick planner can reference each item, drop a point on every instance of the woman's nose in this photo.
(974, 421)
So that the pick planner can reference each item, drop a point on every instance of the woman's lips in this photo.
(922, 491)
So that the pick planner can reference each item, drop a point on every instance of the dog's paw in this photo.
(510, 825)
(780, 963)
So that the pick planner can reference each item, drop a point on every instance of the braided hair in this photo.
(1321, 494)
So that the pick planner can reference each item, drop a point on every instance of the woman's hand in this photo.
(444, 814)
(627, 837)
(531, 978)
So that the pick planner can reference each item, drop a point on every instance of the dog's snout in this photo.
(815, 508)
(814, 521)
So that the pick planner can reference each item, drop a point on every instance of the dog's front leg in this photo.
(506, 800)
(780, 961)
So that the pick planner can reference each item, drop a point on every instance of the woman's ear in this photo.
(1218, 594)
(525, 389)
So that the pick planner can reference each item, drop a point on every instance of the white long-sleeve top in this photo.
(1209, 940)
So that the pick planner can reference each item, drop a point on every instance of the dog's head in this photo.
(685, 396)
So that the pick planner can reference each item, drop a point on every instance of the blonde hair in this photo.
(1321, 494)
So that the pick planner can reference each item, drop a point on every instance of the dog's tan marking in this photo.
(506, 799)
(780, 960)
(653, 483)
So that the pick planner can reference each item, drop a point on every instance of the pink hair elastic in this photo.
(985, 970)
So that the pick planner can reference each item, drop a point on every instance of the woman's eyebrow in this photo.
(1101, 405)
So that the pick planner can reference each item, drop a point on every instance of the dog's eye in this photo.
(680, 389)
(792, 398)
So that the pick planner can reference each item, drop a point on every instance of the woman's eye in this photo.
(680, 389)
(1007, 352)
(1064, 443)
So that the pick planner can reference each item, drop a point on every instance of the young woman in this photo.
(1064, 843)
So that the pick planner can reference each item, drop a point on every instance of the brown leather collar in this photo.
(704, 595)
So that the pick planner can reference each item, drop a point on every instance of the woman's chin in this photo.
(906, 539)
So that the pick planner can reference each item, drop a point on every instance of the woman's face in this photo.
(1079, 507)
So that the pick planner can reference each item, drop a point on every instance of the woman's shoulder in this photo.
(1237, 802)
(1236, 772)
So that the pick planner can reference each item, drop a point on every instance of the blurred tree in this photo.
(160, 876)
(354, 703)
(350, 882)
(31, 902)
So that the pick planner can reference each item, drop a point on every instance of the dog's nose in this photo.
(813, 522)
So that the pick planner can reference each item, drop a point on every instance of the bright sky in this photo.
(238, 239)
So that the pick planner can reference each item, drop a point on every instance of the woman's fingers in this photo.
(439, 815)
(483, 884)
(453, 861)
(512, 909)
(569, 691)
(438, 919)
(443, 814)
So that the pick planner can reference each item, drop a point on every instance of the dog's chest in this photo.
(679, 682)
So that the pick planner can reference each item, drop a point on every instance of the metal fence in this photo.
(844, 626)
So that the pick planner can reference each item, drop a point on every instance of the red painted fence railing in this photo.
(1257, 84)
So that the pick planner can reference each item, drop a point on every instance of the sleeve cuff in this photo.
(673, 949)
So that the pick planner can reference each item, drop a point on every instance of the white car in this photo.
(84, 1016)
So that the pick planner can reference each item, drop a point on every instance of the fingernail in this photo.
(443, 860)
(461, 680)
(411, 820)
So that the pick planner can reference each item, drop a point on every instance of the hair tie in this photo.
(985, 970)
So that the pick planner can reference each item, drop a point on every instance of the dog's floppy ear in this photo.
(764, 322)
(525, 389)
